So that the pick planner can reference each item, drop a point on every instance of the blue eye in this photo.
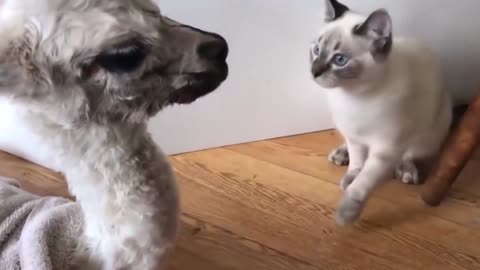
(340, 59)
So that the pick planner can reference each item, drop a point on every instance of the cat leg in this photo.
(408, 173)
(378, 167)
(415, 172)
(339, 156)
(357, 156)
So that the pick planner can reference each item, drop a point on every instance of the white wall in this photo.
(451, 27)
(270, 93)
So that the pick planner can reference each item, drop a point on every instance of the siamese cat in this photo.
(386, 98)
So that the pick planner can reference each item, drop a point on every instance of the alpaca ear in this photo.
(377, 28)
(20, 75)
(12, 78)
(334, 10)
(10, 75)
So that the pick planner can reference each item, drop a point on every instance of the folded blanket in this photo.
(36, 233)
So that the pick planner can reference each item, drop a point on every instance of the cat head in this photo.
(103, 60)
(350, 48)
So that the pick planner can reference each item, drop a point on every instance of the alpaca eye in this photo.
(122, 59)
(340, 59)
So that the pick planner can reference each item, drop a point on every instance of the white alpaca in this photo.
(83, 77)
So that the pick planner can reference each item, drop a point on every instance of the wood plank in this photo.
(182, 259)
(270, 205)
(321, 143)
(264, 227)
(32, 177)
(313, 218)
(236, 252)
(198, 241)
(461, 207)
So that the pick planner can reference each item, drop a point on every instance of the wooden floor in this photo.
(271, 205)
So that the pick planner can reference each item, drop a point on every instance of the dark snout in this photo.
(214, 49)
(211, 56)
(210, 52)
(205, 62)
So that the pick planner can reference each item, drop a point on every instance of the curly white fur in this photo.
(84, 77)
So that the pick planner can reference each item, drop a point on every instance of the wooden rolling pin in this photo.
(457, 151)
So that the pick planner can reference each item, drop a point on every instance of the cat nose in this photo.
(214, 50)
(318, 68)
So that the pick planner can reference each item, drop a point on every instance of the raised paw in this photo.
(339, 156)
(407, 172)
(348, 211)
(348, 179)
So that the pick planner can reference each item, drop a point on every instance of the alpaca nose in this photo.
(214, 49)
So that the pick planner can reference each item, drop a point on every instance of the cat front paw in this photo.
(349, 210)
(348, 179)
(407, 172)
(339, 156)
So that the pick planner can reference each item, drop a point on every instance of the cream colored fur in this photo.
(392, 115)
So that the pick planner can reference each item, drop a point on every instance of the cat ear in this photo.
(378, 28)
(334, 10)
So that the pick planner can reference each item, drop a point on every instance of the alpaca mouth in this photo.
(199, 85)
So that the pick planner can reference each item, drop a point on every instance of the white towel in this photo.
(37, 233)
